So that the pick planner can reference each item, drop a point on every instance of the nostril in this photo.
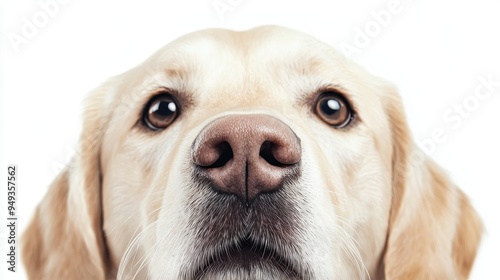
(225, 154)
(266, 152)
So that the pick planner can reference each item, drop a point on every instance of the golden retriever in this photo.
(262, 154)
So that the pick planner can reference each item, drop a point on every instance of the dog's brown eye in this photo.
(160, 112)
(333, 109)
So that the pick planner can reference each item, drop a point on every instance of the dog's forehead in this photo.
(242, 63)
(258, 52)
(265, 43)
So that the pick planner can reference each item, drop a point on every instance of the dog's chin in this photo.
(247, 260)
(258, 272)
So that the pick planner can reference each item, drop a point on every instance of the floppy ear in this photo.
(64, 239)
(434, 232)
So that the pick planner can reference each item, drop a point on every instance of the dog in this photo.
(261, 154)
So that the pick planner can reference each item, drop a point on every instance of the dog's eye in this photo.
(160, 112)
(333, 109)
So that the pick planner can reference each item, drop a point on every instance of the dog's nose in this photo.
(247, 155)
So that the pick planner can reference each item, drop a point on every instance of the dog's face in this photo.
(252, 155)
(234, 154)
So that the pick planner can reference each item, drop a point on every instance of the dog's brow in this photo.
(180, 93)
(177, 85)
(176, 73)
(310, 96)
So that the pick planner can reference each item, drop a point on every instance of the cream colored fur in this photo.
(377, 209)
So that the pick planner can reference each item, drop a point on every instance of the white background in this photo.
(434, 52)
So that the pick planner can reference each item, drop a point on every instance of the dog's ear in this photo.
(64, 239)
(434, 232)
